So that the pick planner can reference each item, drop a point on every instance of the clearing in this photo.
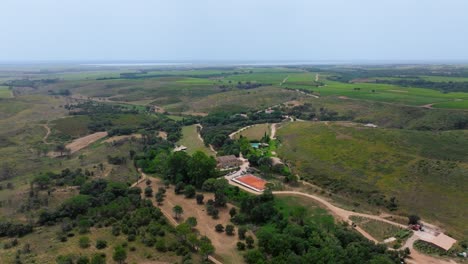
(192, 140)
(254, 132)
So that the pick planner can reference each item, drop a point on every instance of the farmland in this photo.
(5, 92)
(412, 163)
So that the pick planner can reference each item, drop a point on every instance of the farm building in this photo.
(227, 162)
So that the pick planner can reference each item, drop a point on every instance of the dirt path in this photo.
(44, 139)
(284, 80)
(201, 139)
(80, 143)
(344, 215)
(273, 130)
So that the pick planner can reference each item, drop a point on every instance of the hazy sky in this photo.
(233, 30)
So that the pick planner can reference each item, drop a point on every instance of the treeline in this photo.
(349, 74)
(179, 167)
(30, 83)
(94, 108)
(124, 120)
(441, 86)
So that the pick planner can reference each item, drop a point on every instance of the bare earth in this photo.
(81, 143)
(123, 137)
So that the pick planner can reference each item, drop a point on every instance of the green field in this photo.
(191, 140)
(5, 92)
(255, 132)
(421, 169)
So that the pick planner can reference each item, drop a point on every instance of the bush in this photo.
(161, 245)
(240, 246)
(82, 260)
(84, 242)
(101, 244)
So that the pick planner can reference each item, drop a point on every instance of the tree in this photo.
(250, 241)
(413, 219)
(189, 191)
(206, 248)
(159, 198)
(84, 242)
(42, 181)
(200, 168)
(179, 187)
(215, 213)
(177, 210)
(219, 228)
(120, 254)
(192, 222)
(240, 246)
(199, 198)
(241, 232)
(220, 198)
(230, 230)
(148, 191)
(232, 212)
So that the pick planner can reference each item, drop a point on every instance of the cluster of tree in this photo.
(30, 83)
(66, 177)
(116, 160)
(441, 86)
(294, 237)
(96, 108)
(179, 167)
(249, 85)
(349, 74)
(62, 92)
(308, 112)
(8, 229)
(217, 126)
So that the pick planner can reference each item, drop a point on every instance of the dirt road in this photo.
(47, 128)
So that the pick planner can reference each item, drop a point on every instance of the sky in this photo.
(240, 30)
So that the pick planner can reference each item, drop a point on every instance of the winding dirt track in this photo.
(44, 139)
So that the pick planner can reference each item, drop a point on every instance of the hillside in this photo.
(422, 170)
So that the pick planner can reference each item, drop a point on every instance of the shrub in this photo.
(101, 244)
(84, 242)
